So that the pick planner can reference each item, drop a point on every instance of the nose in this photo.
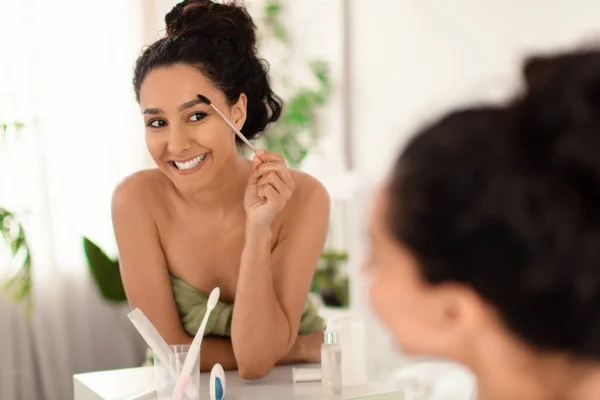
(179, 140)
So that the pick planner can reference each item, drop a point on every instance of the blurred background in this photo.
(358, 76)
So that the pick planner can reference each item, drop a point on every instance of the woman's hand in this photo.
(307, 348)
(269, 188)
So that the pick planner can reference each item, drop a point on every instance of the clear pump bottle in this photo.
(331, 363)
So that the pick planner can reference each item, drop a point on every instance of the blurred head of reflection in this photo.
(485, 237)
(209, 49)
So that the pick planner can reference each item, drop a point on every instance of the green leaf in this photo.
(280, 32)
(18, 242)
(334, 256)
(342, 290)
(327, 280)
(105, 272)
(320, 280)
(18, 286)
(273, 10)
(18, 125)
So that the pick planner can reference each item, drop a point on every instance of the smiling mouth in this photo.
(190, 164)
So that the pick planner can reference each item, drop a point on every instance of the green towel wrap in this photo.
(191, 304)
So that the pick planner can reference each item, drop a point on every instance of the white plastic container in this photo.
(351, 335)
(331, 363)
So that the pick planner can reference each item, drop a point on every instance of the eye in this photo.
(157, 123)
(198, 116)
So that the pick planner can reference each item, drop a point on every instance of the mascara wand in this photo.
(205, 100)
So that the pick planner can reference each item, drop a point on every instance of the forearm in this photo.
(220, 350)
(217, 350)
(214, 350)
(260, 329)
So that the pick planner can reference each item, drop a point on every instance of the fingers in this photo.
(278, 168)
(256, 161)
(264, 157)
(268, 156)
(272, 178)
(268, 193)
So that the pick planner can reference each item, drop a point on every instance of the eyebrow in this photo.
(184, 106)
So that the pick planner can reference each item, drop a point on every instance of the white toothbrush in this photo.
(159, 347)
(194, 353)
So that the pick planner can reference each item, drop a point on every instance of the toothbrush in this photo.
(159, 347)
(194, 352)
(217, 382)
(206, 100)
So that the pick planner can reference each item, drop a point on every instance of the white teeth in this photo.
(183, 166)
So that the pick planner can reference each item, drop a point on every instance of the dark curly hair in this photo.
(506, 199)
(219, 40)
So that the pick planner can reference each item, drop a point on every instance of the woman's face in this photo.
(188, 141)
(423, 318)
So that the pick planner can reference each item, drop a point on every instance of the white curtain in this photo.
(65, 69)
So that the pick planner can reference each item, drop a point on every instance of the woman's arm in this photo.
(146, 278)
(273, 283)
(220, 350)
(142, 262)
(145, 274)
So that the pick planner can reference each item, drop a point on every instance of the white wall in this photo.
(411, 59)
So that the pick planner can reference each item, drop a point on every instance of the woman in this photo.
(208, 217)
(486, 238)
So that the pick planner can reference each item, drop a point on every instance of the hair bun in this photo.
(207, 18)
(562, 91)
(559, 115)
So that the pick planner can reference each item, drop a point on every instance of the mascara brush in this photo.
(205, 100)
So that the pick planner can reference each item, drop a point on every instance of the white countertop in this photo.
(117, 384)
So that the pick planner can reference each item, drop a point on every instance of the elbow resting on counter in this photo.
(252, 371)
(254, 360)
(255, 364)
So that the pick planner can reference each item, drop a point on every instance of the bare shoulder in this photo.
(309, 192)
(141, 189)
(306, 216)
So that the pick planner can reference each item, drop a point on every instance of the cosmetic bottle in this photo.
(351, 336)
(331, 363)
